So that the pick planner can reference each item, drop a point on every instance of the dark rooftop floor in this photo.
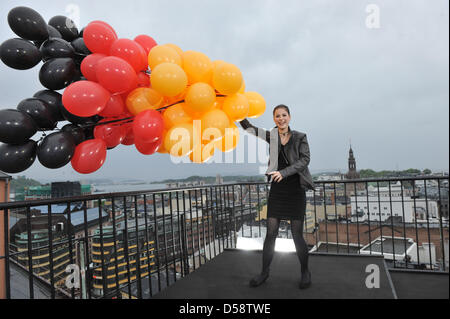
(333, 276)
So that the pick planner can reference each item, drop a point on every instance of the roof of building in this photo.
(5, 176)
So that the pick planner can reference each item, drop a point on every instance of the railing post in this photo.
(183, 245)
(4, 251)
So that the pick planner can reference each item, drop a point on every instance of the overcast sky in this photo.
(384, 88)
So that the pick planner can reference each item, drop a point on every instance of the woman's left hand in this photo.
(277, 177)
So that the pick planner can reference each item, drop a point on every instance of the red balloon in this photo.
(85, 98)
(130, 51)
(89, 156)
(148, 126)
(98, 37)
(114, 107)
(147, 148)
(146, 42)
(116, 75)
(143, 80)
(129, 137)
(112, 133)
(105, 24)
(88, 66)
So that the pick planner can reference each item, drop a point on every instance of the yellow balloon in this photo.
(141, 99)
(161, 148)
(199, 99)
(179, 139)
(215, 119)
(230, 139)
(257, 104)
(198, 67)
(175, 115)
(169, 100)
(242, 89)
(168, 79)
(161, 54)
(176, 48)
(227, 78)
(236, 106)
(216, 63)
(202, 153)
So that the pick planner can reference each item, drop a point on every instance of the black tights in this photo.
(269, 243)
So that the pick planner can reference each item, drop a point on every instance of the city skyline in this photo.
(384, 88)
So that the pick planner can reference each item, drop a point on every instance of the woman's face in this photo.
(281, 118)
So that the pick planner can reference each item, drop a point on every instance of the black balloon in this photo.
(56, 48)
(52, 33)
(17, 158)
(19, 54)
(40, 112)
(54, 101)
(76, 132)
(16, 127)
(57, 73)
(89, 133)
(56, 150)
(78, 76)
(27, 24)
(81, 32)
(81, 51)
(79, 120)
(65, 26)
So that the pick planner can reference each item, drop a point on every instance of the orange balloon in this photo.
(199, 99)
(197, 66)
(179, 140)
(230, 140)
(217, 119)
(141, 99)
(175, 115)
(161, 54)
(176, 48)
(168, 79)
(256, 103)
(236, 106)
(227, 78)
(218, 104)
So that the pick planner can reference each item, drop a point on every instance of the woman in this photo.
(290, 177)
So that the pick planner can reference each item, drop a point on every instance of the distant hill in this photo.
(22, 181)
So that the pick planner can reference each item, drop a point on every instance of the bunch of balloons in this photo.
(130, 92)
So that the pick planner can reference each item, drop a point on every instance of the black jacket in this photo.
(297, 152)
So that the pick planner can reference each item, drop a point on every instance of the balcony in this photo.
(377, 239)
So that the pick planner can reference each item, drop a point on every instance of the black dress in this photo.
(287, 199)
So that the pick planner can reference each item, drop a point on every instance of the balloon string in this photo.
(129, 119)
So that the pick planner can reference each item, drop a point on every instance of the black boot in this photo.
(305, 281)
(260, 279)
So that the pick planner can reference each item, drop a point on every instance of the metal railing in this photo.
(134, 244)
